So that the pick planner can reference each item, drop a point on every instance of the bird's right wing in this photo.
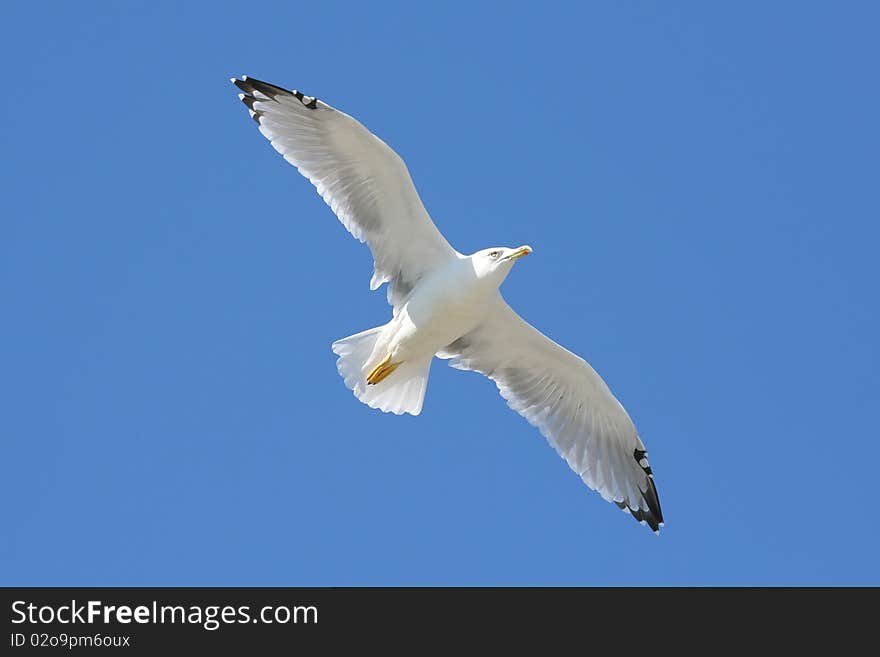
(361, 178)
(560, 394)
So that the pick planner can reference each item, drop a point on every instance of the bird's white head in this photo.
(495, 263)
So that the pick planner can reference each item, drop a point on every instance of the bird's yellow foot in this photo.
(382, 371)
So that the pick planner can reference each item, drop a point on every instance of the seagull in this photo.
(447, 304)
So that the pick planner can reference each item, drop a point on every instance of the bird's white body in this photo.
(387, 367)
(448, 304)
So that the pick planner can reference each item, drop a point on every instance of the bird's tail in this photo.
(397, 389)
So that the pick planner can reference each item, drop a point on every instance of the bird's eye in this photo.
(494, 254)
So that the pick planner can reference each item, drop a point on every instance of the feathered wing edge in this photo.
(365, 183)
(563, 397)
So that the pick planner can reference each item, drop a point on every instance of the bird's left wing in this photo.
(560, 394)
(359, 176)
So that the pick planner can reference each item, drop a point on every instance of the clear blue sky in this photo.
(705, 177)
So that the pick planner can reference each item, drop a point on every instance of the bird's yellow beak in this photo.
(520, 252)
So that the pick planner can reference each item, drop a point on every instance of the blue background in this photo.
(703, 178)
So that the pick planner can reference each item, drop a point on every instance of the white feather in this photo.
(560, 394)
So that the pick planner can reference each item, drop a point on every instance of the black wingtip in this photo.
(250, 85)
(653, 515)
(308, 101)
(249, 101)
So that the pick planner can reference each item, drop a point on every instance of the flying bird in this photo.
(447, 304)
